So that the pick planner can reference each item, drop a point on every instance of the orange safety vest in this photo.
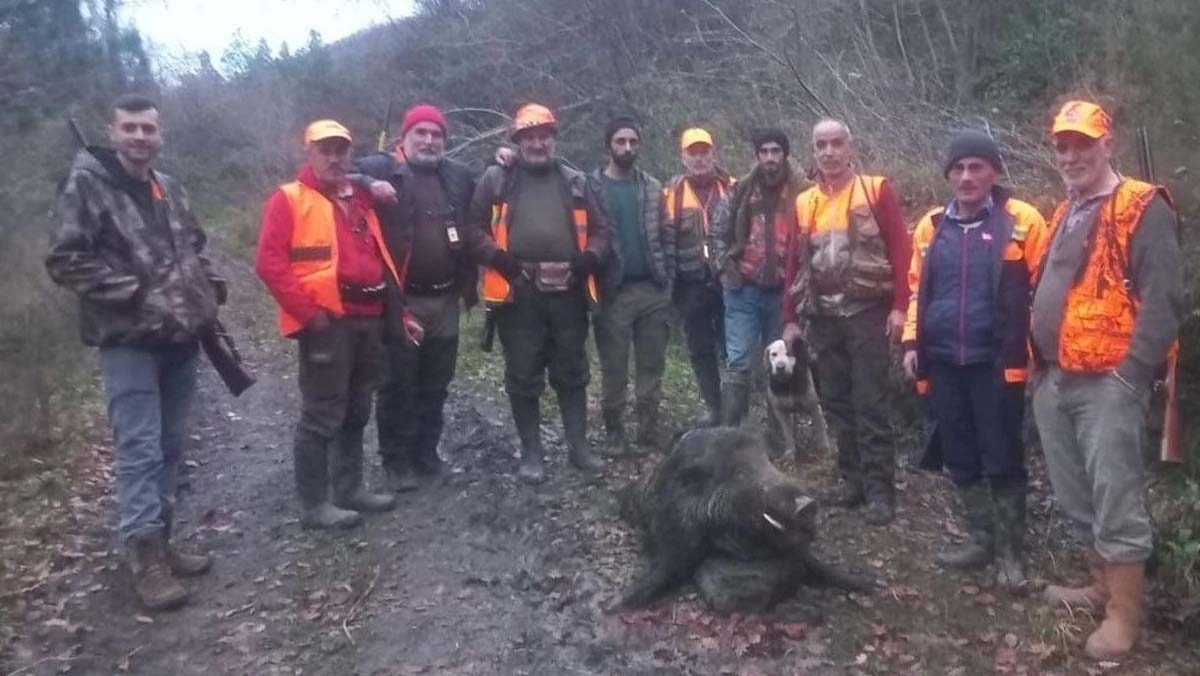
(682, 199)
(496, 289)
(847, 252)
(1101, 308)
(314, 250)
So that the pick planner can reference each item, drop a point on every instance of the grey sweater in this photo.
(1156, 270)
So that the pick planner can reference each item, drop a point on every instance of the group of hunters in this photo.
(370, 260)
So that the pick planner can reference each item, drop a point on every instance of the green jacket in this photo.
(134, 288)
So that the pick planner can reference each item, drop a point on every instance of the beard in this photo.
(772, 174)
(625, 161)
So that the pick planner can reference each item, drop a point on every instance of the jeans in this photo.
(753, 318)
(149, 393)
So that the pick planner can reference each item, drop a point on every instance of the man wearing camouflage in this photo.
(129, 247)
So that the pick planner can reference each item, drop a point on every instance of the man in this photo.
(847, 280)
(693, 198)
(1107, 306)
(635, 289)
(749, 241)
(422, 200)
(966, 337)
(322, 256)
(553, 234)
(129, 247)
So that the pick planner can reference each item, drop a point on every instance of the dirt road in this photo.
(480, 574)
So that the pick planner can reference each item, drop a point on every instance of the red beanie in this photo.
(422, 113)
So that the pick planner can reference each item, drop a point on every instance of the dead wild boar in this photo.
(718, 512)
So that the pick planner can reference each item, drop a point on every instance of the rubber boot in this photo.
(735, 403)
(1123, 613)
(528, 419)
(979, 549)
(708, 380)
(1093, 596)
(181, 563)
(1010, 538)
(649, 437)
(616, 442)
(881, 503)
(400, 480)
(153, 583)
(348, 489)
(573, 405)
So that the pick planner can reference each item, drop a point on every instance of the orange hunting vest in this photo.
(314, 250)
(1101, 307)
(496, 289)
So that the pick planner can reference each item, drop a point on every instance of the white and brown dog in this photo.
(791, 392)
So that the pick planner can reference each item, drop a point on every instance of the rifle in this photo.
(1170, 449)
(387, 126)
(488, 339)
(216, 342)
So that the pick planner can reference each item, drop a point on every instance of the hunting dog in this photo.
(790, 393)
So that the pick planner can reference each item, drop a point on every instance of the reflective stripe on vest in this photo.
(313, 250)
(1101, 307)
(496, 289)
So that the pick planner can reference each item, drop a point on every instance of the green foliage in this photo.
(1180, 534)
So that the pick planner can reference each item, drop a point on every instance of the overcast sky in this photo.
(190, 26)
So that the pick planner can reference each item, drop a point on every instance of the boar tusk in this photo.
(771, 520)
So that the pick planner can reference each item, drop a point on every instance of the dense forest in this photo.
(904, 73)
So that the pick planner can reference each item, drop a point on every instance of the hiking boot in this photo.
(847, 495)
(153, 583)
(573, 405)
(979, 549)
(362, 500)
(735, 403)
(1122, 615)
(1010, 538)
(181, 563)
(527, 418)
(1093, 595)
(400, 481)
(325, 516)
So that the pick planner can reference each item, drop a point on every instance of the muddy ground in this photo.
(480, 574)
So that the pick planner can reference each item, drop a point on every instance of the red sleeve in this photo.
(899, 245)
(273, 264)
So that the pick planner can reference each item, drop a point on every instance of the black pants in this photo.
(543, 332)
(339, 370)
(852, 366)
(979, 418)
(409, 404)
(702, 308)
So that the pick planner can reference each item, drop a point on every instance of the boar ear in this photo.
(806, 507)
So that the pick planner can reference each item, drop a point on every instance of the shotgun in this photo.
(215, 340)
(1170, 448)
(488, 339)
(386, 130)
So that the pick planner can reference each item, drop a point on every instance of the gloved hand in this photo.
(585, 263)
(507, 265)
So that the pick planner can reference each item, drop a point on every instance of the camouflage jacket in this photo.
(138, 283)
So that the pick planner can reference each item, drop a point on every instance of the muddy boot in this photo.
(181, 563)
(324, 516)
(347, 467)
(649, 434)
(616, 442)
(735, 403)
(400, 480)
(428, 463)
(881, 504)
(1122, 615)
(1010, 538)
(1093, 595)
(979, 549)
(527, 418)
(708, 379)
(847, 495)
(153, 583)
(574, 418)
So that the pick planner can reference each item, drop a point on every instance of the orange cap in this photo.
(693, 136)
(323, 129)
(1083, 117)
(532, 115)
